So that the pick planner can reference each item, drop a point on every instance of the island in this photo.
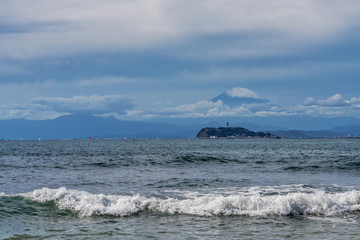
(231, 133)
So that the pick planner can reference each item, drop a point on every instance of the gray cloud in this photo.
(36, 28)
(85, 104)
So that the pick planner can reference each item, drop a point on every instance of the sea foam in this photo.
(318, 203)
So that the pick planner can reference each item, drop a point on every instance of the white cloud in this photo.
(334, 101)
(123, 108)
(335, 105)
(203, 109)
(48, 108)
(200, 109)
(35, 28)
(355, 101)
(26, 112)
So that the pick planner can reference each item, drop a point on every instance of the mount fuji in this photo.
(239, 96)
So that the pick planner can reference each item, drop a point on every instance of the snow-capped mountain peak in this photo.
(238, 96)
(242, 93)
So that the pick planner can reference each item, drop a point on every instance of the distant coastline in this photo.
(80, 127)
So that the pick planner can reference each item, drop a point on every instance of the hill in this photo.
(232, 132)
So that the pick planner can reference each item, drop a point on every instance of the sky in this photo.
(150, 59)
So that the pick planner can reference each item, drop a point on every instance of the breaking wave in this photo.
(318, 203)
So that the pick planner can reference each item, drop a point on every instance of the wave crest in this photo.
(87, 204)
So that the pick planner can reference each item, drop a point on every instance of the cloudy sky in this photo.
(140, 59)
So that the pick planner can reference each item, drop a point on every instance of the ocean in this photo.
(180, 189)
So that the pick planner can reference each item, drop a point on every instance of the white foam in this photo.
(317, 203)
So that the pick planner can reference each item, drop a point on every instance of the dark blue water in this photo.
(185, 189)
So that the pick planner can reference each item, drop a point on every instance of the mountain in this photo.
(352, 130)
(238, 96)
(83, 126)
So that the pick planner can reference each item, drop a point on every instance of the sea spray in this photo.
(317, 203)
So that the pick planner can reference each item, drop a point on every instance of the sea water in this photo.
(180, 189)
